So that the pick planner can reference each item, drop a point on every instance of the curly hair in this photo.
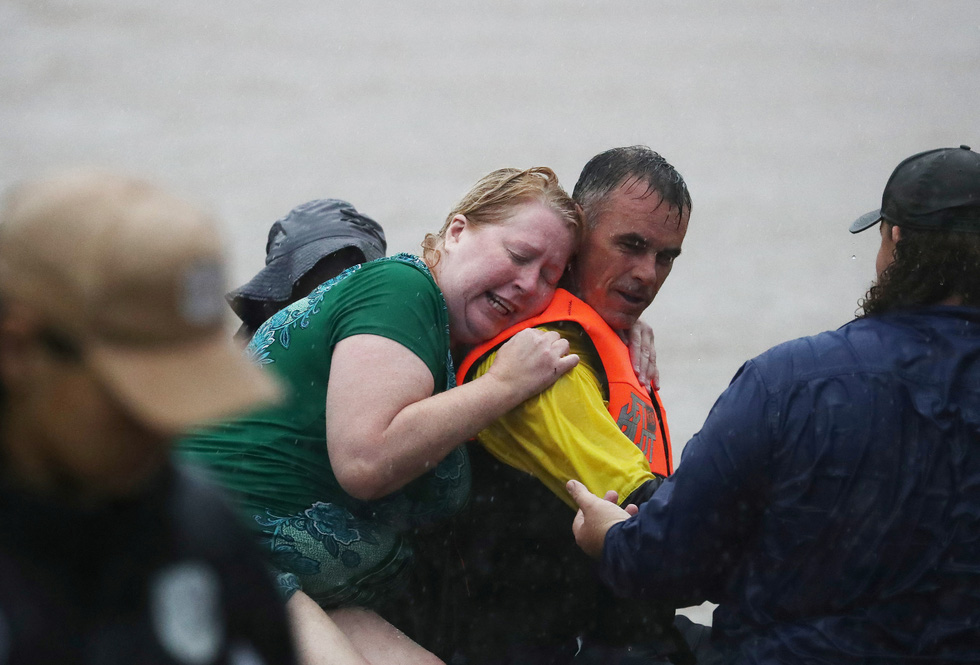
(929, 267)
(491, 200)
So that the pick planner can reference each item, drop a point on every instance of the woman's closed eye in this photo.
(519, 258)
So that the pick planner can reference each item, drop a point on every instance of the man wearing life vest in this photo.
(529, 597)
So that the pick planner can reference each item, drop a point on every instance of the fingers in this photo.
(559, 344)
(636, 352)
(594, 518)
(632, 509)
(531, 361)
(566, 363)
(547, 339)
(564, 360)
(583, 497)
(643, 355)
(534, 336)
(580, 494)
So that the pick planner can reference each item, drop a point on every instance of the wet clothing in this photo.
(168, 578)
(567, 432)
(513, 587)
(521, 590)
(339, 550)
(831, 502)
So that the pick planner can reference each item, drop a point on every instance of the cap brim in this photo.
(178, 386)
(274, 283)
(866, 221)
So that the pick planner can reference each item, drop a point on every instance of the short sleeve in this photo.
(401, 302)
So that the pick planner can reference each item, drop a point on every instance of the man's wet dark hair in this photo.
(608, 170)
(929, 267)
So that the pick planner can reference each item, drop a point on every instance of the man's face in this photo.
(625, 259)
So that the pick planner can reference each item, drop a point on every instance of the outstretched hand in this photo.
(595, 516)
(531, 361)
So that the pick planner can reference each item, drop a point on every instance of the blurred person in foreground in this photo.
(367, 445)
(313, 243)
(831, 503)
(112, 340)
(525, 592)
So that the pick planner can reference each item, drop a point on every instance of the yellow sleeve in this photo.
(567, 432)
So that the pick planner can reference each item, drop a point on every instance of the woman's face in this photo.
(496, 275)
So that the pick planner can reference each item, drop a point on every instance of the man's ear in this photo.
(896, 233)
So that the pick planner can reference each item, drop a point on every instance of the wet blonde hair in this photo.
(494, 197)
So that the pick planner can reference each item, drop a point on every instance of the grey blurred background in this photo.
(786, 119)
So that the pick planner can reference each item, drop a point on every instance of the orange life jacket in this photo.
(640, 417)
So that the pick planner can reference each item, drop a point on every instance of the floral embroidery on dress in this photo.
(336, 558)
(327, 524)
(282, 321)
(287, 583)
(299, 313)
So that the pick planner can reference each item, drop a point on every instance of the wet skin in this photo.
(625, 259)
(496, 275)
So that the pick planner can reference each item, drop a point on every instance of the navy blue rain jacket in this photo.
(831, 502)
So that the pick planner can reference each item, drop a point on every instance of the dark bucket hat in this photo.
(937, 189)
(307, 234)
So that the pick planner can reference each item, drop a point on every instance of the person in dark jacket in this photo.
(831, 503)
(113, 340)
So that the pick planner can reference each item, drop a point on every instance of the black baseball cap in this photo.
(937, 190)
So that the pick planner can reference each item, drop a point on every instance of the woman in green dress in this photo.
(366, 444)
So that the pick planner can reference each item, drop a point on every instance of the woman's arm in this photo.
(386, 428)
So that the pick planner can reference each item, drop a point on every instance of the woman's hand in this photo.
(531, 361)
(643, 355)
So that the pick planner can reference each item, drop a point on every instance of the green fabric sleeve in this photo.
(400, 302)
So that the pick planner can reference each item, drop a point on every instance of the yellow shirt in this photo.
(567, 432)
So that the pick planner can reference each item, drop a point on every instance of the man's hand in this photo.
(594, 517)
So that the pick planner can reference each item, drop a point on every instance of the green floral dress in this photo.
(339, 550)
